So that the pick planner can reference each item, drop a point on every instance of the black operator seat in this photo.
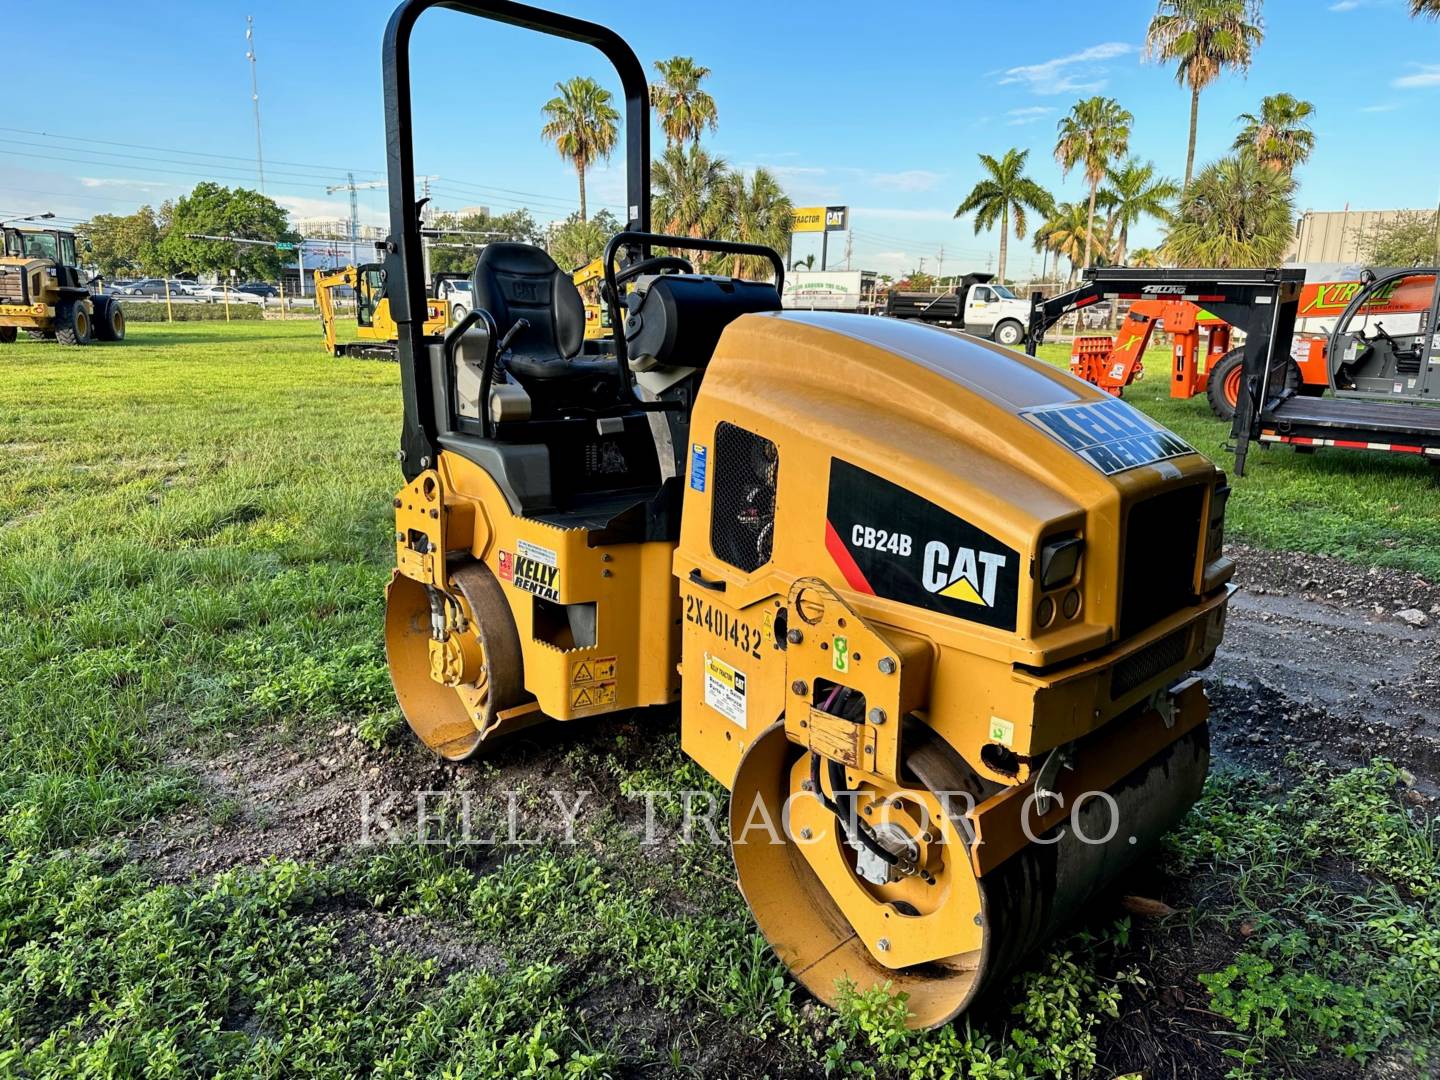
(520, 281)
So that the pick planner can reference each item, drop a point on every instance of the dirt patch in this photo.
(1317, 661)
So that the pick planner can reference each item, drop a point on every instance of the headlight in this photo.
(1059, 559)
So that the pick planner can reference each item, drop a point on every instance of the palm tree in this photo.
(1425, 7)
(583, 125)
(1132, 192)
(1146, 258)
(758, 212)
(1066, 233)
(1205, 37)
(1005, 192)
(689, 191)
(685, 110)
(1096, 132)
(1280, 135)
(1237, 212)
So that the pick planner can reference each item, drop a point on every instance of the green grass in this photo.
(193, 543)
(1376, 508)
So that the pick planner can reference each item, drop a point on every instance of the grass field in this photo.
(194, 534)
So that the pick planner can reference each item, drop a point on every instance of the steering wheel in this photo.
(654, 265)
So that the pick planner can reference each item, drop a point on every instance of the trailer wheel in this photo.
(1009, 333)
(8, 334)
(72, 324)
(1223, 383)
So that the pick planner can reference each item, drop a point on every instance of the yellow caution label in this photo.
(589, 671)
(592, 696)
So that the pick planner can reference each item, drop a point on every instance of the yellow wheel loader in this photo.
(41, 291)
(375, 330)
(928, 607)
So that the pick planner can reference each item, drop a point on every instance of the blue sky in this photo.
(880, 107)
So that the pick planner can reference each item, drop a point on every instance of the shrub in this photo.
(154, 311)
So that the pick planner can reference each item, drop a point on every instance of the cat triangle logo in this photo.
(963, 590)
(964, 574)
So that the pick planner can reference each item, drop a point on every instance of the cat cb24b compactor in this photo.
(915, 593)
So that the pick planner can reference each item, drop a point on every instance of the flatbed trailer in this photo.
(1401, 417)
(1264, 303)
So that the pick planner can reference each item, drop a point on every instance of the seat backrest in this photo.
(520, 281)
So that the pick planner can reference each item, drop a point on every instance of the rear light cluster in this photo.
(1059, 579)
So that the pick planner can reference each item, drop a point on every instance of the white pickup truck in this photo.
(977, 305)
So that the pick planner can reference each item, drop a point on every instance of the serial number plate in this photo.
(723, 625)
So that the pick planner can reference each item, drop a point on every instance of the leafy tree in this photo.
(1280, 135)
(1411, 239)
(1005, 193)
(916, 281)
(213, 210)
(575, 243)
(688, 191)
(1095, 133)
(1235, 213)
(1132, 192)
(123, 244)
(757, 212)
(685, 109)
(582, 123)
(1144, 257)
(1066, 232)
(462, 237)
(1204, 37)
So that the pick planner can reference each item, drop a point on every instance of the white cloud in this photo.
(1345, 5)
(1387, 107)
(1028, 115)
(1427, 75)
(303, 207)
(117, 182)
(1077, 72)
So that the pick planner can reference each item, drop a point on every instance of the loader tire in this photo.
(72, 324)
(109, 319)
(8, 334)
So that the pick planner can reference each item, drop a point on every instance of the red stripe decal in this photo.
(854, 576)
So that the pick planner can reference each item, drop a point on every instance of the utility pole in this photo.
(255, 97)
(849, 247)
(940, 272)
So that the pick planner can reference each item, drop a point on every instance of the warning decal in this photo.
(597, 670)
(592, 696)
(725, 690)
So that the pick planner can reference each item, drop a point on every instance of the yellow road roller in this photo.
(928, 607)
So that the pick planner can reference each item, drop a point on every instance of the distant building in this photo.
(1338, 236)
(335, 229)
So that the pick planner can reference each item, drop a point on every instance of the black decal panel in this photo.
(887, 541)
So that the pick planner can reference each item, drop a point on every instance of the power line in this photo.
(198, 165)
(328, 170)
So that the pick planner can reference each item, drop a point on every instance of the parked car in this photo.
(156, 287)
(258, 288)
(213, 292)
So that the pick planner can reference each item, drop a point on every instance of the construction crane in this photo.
(351, 186)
